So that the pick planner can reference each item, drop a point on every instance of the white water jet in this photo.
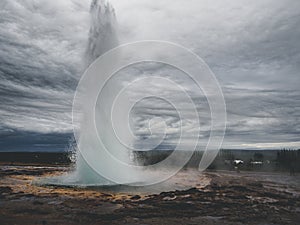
(102, 37)
(95, 113)
(102, 34)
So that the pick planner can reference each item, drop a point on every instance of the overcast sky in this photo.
(251, 46)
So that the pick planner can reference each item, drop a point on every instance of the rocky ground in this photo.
(226, 198)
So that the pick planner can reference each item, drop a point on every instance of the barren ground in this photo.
(208, 198)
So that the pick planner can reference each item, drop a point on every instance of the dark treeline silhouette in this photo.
(35, 158)
(251, 160)
(289, 160)
(263, 160)
(256, 160)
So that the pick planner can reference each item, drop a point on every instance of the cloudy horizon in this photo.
(252, 48)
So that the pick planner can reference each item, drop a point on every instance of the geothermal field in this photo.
(190, 197)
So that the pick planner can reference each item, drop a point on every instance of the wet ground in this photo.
(209, 198)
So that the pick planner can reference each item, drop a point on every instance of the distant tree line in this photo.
(266, 160)
(260, 160)
(289, 160)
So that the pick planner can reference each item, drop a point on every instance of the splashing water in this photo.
(101, 100)
(102, 34)
(102, 37)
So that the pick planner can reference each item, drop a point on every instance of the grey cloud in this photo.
(252, 47)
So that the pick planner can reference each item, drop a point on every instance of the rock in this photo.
(5, 190)
(168, 198)
(135, 197)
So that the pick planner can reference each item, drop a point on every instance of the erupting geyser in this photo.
(104, 101)
(102, 37)
(102, 34)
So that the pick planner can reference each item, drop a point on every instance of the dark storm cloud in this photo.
(34, 141)
(40, 63)
(41, 46)
(252, 47)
